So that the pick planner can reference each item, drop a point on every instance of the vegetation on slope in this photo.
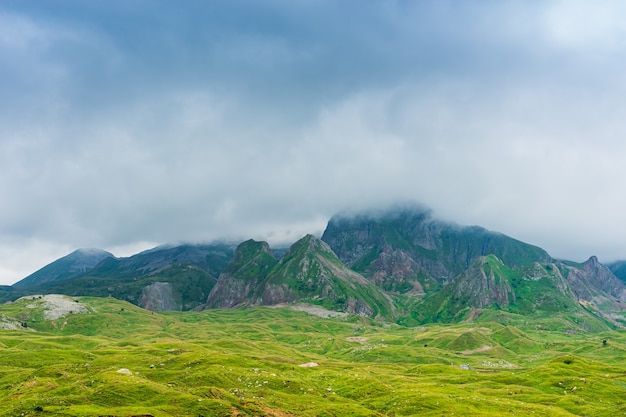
(120, 360)
(311, 272)
(189, 272)
(409, 251)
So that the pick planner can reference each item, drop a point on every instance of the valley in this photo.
(116, 359)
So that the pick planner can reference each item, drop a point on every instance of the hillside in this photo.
(240, 282)
(110, 358)
(489, 286)
(310, 271)
(452, 272)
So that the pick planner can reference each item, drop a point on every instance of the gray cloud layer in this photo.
(129, 124)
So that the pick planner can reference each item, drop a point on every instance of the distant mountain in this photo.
(489, 283)
(618, 269)
(310, 271)
(67, 267)
(401, 264)
(594, 282)
(211, 258)
(454, 272)
(164, 278)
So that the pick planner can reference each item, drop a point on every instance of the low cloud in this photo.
(231, 122)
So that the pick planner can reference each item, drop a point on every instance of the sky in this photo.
(129, 124)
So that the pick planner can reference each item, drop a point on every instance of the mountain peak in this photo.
(91, 252)
(311, 272)
(592, 262)
(310, 243)
(238, 283)
(66, 267)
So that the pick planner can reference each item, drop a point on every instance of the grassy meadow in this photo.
(119, 360)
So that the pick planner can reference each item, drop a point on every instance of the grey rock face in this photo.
(483, 288)
(410, 245)
(594, 280)
(159, 296)
(240, 282)
(229, 292)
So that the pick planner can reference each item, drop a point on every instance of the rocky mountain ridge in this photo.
(458, 270)
(309, 271)
(409, 248)
(398, 265)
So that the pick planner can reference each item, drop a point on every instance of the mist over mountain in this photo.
(409, 249)
(401, 264)
(67, 267)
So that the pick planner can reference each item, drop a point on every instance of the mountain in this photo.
(454, 272)
(409, 251)
(618, 269)
(537, 289)
(308, 272)
(211, 258)
(239, 283)
(398, 264)
(595, 283)
(67, 267)
(164, 278)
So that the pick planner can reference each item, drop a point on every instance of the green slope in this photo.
(489, 287)
(247, 363)
(71, 266)
(311, 272)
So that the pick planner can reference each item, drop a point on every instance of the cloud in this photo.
(140, 123)
(578, 25)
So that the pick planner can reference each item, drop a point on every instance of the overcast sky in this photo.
(128, 124)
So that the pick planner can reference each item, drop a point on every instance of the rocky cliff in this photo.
(160, 296)
(240, 282)
(408, 251)
(308, 272)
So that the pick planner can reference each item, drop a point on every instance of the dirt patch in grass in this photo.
(360, 340)
(318, 311)
(56, 306)
(480, 349)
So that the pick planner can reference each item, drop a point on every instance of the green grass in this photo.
(246, 363)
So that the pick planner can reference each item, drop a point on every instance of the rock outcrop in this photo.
(242, 279)
(159, 296)
(485, 284)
